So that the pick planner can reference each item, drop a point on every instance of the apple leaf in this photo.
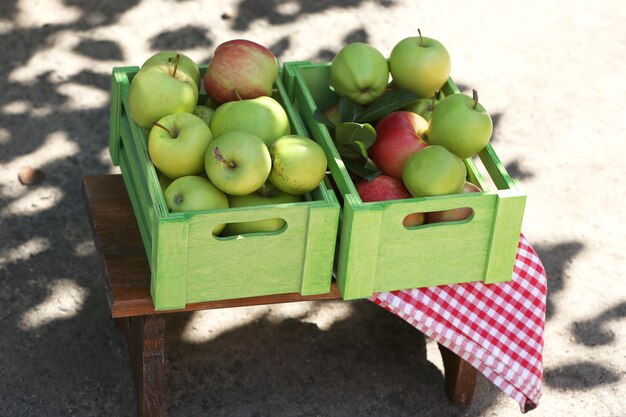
(321, 117)
(349, 111)
(390, 101)
(364, 168)
(349, 132)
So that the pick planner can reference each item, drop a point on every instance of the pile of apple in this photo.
(235, 150)
(419, 139)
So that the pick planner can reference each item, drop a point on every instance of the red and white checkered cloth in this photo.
(497, 328)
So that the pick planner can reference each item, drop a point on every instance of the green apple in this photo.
(461, 124)
(158, 90)
(177, 144)
(419, 64)
(238, 163)
(193, 193)
(263, 117)
(360, 72)
(267, 194)
(298, 164)
(434, 171)
(186, 64)
(424, 106)
(205, 113)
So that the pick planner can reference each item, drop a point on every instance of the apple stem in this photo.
(421, 39)
(176, 65)
(237, 94)
(220, 157)
(475, 98)
(157, 124)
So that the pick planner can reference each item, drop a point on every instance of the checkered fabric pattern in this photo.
(497, 328)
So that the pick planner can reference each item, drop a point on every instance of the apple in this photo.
(457, 214)
(419, 64)
(238, 163)
(267, 194)
(177, 144)
(204, 112)
(461, 124)
(360, 72)
(262, 116)
(185, 64)
(158, 90)
(240, 69)
(298, 164)
(398, 136)
(384, 187)
(193, 193)
(423, 107)
(434, 171)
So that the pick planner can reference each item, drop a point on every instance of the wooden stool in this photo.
(127, 284)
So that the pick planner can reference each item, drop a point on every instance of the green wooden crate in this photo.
(188, 264)
(376, 252)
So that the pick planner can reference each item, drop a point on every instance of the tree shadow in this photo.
(595, 331)
(556, 259)
(280, 12)
(187, 37)
(517, 171)
(580, 376)
(356, 35)
(102, 50)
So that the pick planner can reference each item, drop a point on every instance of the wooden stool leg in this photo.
(146, 351)
(460, 377)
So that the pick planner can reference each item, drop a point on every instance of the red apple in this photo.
(398, 136)
(240, 69)
(457, 214)
(384, 188)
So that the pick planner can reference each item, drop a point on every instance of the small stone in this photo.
(29, 175)
(227, 14)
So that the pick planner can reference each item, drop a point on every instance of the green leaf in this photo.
(321, 117)
(353, 149)
(352, 132)
(364, 169)
(349, 111)
(387, 103)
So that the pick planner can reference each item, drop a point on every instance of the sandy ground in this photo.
(550, 73)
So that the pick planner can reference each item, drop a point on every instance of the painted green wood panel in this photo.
(144, 226)
(505, 237)
(435, 253)
(257, 264)
(118, 78)
(496, 169)
(360, 234)
(168, 284)
(320, 253)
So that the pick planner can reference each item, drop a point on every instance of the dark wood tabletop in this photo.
(123, 257)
